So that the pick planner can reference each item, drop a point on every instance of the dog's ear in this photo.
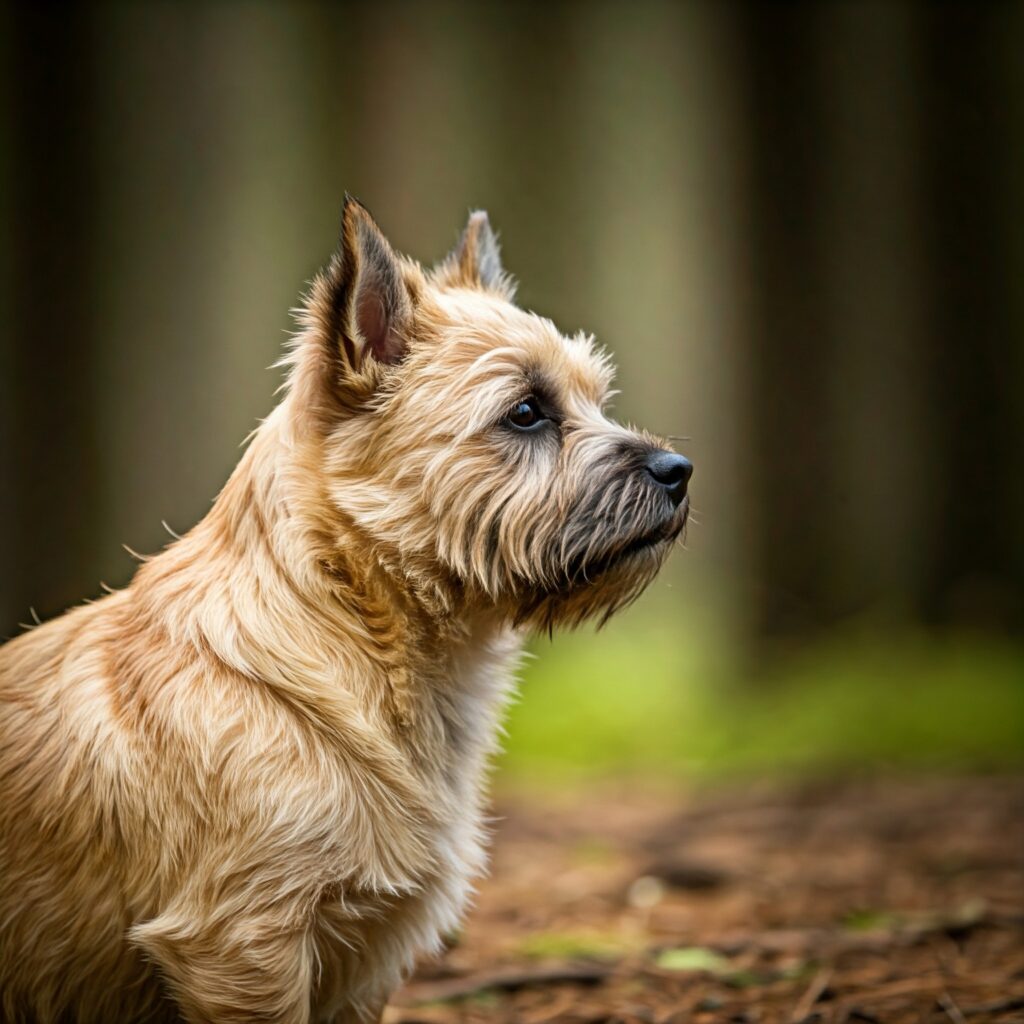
(475, 262)
(369, 300)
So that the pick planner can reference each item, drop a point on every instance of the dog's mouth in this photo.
(622, 569)
(665, 533)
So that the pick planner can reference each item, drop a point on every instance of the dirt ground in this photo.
(863, 901)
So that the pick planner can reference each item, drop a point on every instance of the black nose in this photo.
(671, 471)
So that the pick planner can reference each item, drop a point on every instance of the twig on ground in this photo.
(814, 992)
(953, 1011)
(507, 981)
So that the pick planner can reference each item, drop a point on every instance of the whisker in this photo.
(176, 536)
(135, 554)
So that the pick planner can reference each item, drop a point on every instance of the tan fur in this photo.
(248, 787)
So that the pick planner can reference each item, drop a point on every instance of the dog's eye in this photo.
(526, 414)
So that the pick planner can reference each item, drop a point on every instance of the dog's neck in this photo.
(276, 592)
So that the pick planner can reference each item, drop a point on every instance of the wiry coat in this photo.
(248, 787)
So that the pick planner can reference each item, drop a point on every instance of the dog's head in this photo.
(467, 440)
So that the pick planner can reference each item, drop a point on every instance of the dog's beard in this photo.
(607, 552)
(596, 600)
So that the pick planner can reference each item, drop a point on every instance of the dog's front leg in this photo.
(232, 964)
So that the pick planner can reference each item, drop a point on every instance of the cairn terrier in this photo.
(248, 787)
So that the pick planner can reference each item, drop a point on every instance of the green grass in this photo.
(651, 697)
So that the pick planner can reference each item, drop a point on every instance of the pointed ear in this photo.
(475, 262)
(371, 305)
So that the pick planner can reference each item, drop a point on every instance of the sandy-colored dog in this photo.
(248, 787)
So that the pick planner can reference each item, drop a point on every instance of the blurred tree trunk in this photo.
(872, 231)
(214, 216)
(1008, 45)
(49, 330)
(661, 158)
(976, 568)
(789, 458)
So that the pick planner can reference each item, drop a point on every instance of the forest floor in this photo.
(869, 902)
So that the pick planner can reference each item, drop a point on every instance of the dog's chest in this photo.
(455, 724)
(467, 702)
(459, 720)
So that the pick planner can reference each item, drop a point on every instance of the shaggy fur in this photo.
(248, 787)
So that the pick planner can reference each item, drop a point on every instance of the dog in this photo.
(249, 786)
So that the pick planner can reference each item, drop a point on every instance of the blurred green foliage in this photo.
(657, 696)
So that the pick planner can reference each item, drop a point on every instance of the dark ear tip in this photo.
(354, 211)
